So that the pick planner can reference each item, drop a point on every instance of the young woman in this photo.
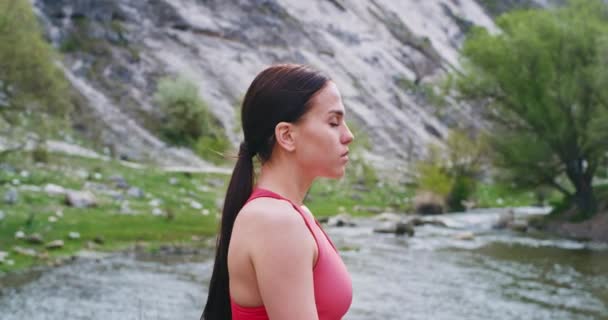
(273, 260)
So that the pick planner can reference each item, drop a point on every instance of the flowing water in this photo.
(497, 275)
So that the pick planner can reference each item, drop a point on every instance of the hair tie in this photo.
(245, 151)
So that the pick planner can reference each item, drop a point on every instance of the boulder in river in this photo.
(429, 203)
(417, 221)
(519, 226)
(389, 216)
(504, 220)
(464, 236)
(397, 228)
(341, 220)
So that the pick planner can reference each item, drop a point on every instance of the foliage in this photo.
(453, 176)
(32, 85)
(187, 120)
(543, 79)
(432, 174)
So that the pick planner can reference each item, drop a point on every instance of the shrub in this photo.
(185, 115)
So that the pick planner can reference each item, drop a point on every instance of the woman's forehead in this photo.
(327, 100)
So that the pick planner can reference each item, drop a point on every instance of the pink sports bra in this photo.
(332, 283)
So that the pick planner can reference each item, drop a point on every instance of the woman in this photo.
(273, 260)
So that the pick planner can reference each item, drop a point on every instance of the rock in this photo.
(203, 188)
(119, 182)
(19, 235)
(397, 228)
(341, 220)
(54, 190)
(97, 176)
(155, 202)
(73, 235)
(135, 192)
(429, 203)
(82, 174)
(25, 251)
(468, 205)
(98, 240)
(389, 216)
(356, 196)
(219, 203)
(215, 183)
(59, 213)
(24, 174)
(11, 196)
(437, 223)
(205, 212)
(3, 255)
(34, 239)
(2, 215)
(124, 208)
(16, 182)
(55, 244)
(519, 226)
(80, 199)
(157, 212)
(504, 220)
(52, 219)
(369, 209)
(464, 236)
(417, 221)
(196, 205)
(173, 181)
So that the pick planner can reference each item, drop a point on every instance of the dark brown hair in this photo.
(280, 93)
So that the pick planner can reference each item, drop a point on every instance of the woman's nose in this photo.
(348, 136)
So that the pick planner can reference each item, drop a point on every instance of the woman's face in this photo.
(323, 136)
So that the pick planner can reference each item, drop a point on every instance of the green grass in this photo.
(498, 195)
(33, 209)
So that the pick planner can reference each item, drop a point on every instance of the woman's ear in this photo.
(285, 136)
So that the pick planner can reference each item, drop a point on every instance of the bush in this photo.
(187, 120)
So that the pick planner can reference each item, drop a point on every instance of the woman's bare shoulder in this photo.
(269, 212)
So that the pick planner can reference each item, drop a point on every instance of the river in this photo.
(499, 274)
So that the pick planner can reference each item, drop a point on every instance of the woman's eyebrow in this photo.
(337, 112)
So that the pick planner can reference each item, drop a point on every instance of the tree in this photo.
(543, 79)
(32, 86)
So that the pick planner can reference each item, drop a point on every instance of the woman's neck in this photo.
(286, 179)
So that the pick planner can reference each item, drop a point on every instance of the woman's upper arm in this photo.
(283, 260)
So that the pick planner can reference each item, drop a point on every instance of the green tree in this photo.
(543, 78)
(30, 81)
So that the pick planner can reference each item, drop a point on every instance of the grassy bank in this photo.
(169, 207)
(152, 206)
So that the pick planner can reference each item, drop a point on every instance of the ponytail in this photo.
(279, 93)
(239, 190)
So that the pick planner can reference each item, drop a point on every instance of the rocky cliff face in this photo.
(384, 56)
